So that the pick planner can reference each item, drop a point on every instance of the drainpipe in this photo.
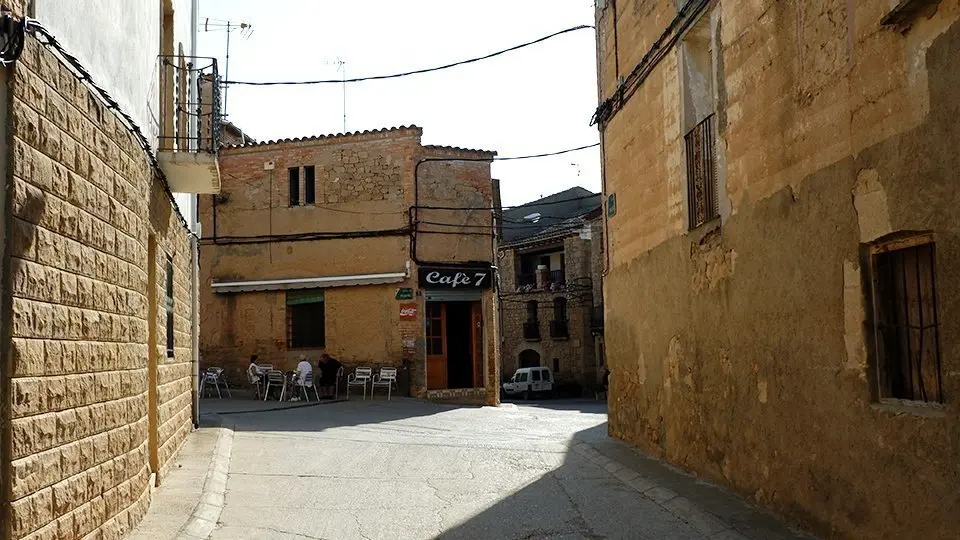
(195, 323)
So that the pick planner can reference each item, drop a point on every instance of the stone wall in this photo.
(742, 350)
(83, 204)
(576, 354)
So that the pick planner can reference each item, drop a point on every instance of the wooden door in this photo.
(476, 327)
(436, 321)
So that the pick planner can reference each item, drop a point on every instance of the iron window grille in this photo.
(906, 323)
(701, 173)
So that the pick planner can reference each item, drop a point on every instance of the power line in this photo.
(414, 72)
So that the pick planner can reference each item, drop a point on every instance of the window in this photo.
(306, 326)
(699, 107)
(532, 315)
(294, 186)
(906, 325)
(169, 307)
(309, 185)
(560, 309)
(435, 329)
(536, 375)
(556, 365)
(522, 377)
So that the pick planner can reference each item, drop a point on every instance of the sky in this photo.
(535, 100)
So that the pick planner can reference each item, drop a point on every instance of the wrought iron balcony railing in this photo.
(190, 104)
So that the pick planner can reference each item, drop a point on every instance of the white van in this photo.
(529, 381)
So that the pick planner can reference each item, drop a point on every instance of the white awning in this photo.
(307, 283)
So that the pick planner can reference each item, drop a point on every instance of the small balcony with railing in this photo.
(190, 123)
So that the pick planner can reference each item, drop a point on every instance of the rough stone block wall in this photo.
(78, 426)
(576, 353)
(743, 350)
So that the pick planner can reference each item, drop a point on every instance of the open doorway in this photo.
(454, 345)
(529, 358)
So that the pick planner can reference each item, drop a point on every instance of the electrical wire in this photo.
(15, 33)
(414, 72)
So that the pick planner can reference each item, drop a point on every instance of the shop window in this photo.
(906, 324)
(306, 324)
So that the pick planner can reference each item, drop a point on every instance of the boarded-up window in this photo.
(906, 320)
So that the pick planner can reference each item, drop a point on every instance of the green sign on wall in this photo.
(405, 294)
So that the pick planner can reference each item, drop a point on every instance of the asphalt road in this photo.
(409, 469)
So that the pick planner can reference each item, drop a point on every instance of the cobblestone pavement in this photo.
(412, 469)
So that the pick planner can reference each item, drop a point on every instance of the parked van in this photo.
(529, 382)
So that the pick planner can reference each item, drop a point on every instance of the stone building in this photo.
(98, 303)
(349, 244)
(782, 293)
(550, 265)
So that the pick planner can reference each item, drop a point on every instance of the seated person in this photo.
(303, 368)
(253, 370)
(328, 366)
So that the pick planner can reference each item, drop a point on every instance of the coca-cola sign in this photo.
(455, 278)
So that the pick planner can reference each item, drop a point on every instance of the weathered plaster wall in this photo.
(743, 352)
(83, 204)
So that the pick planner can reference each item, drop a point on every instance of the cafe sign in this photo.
(455, 278)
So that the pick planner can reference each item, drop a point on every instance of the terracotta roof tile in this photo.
(329, 136)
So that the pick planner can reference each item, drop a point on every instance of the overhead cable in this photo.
(414, 72)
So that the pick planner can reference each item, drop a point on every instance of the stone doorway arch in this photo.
(529, 358)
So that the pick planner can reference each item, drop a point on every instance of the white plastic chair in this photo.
(214, 376)
(275, 377)
(360, 377)
(387, 377)
(306, 383)
(336, 384)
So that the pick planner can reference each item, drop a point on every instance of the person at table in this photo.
(303, 367)
(253, 370)
(328, 366)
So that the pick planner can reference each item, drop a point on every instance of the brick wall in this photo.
(364, 181)
(84, 202)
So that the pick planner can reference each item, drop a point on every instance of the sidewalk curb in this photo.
(712, 526)
(206, 514)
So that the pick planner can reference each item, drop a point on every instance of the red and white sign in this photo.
(408, 312)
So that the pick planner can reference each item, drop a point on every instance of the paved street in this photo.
(411, 469)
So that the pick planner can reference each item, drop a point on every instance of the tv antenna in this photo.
(342, 68)
(217, 25)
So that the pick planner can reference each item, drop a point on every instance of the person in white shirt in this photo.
(253, 370)
(303, 368)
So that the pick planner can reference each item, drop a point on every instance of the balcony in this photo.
(190, 123)
(528, 281)
(531, 330)
(559, 330)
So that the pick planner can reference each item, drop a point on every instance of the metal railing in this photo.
(557, 276)
(531, 330)
(191, 116)
(701, 173)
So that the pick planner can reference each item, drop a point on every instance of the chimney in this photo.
(543, 276)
